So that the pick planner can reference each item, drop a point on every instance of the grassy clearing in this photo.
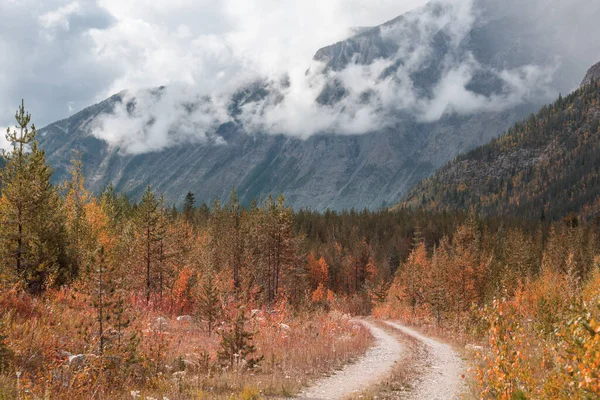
(172, 359)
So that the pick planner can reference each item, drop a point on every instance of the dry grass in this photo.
(176, 360)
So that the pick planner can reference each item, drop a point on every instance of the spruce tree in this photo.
(189, 205)
(209, 304)
(236, 344)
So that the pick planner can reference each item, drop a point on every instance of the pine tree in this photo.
(147, 226)
(115, 207)
(413, 276)
(278, 245)
(102, 292)
(120, 316)
(76, 199)
(161, 234)
(361, 266)
(465, 270)
(32, 228)
(236, 244)
(437, 294)
(217, 229)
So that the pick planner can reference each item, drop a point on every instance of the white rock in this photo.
(79, 360)
(76, 360)
(284, 326)
(473, 347)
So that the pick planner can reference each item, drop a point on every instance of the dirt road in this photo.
(374, 366)
(440, 377)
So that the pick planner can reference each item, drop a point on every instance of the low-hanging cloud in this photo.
(372, 99)
(205, 52)
(155, 119)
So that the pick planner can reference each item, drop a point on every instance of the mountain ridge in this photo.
(371, 170)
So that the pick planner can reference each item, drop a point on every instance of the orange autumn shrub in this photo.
(322, 295)
(545, 343)
(184, 291)
(505, 371)
(577, 371)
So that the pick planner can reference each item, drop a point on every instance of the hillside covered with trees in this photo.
(544, 167)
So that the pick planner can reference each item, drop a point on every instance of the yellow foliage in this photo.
(250, 393)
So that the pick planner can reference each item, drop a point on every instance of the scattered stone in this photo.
(472, 347)
(76, 360)
(160, 323)
(284, 326)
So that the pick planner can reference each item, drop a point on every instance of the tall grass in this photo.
(173, 359)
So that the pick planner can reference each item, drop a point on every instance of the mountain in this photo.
(372, 167)
(593, 74)
(547, 165)
(323, 171)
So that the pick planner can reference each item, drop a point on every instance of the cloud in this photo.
(147, 121)
(60, 17)
(291, 108)
(69, 54)
(374, 98)
(4, 144)
(51, 65)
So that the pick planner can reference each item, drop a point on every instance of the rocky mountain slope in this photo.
(545, 166)
(324, 171)
(593, 74)
(327, 170)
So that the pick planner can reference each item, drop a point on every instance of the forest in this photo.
(104, 297)
(547, 165)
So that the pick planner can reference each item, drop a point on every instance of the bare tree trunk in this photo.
(148, 265)
(19, 241)
(101, 304)
(236, 254)
(161, 269)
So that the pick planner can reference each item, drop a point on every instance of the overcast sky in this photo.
(63, 55)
